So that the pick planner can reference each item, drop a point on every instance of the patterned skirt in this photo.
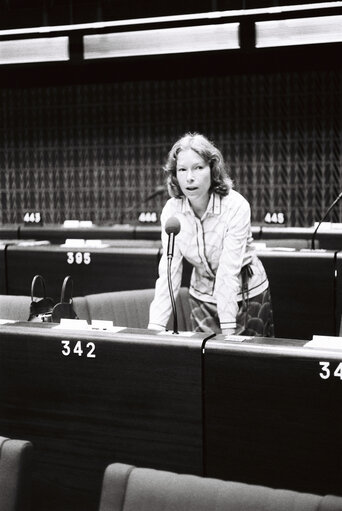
(254, 317)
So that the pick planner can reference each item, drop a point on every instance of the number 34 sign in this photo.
(326, 371)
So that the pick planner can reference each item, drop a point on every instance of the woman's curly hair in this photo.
(221, 183)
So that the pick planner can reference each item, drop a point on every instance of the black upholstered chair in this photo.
(15, 468)
(127, 488)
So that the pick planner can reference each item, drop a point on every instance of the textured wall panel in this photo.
(95, 151)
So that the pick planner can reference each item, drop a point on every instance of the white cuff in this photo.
(155, 326)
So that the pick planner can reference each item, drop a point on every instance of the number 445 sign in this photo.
(326, 371)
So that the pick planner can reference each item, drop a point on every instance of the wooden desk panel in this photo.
(303, 292)
(58, 233)
(338, 290)
(9, 231)
(270, 419)
(4, 244)
(330, 239)
(137, 402)
(113, 268)
(3, 274)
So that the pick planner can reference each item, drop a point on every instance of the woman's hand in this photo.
(228, 331)
(152, 326)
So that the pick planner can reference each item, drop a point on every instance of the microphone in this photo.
(322, 220)
(172, 228)
(158, 191)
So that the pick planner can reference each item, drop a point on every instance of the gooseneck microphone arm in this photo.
(158, 191)
(322, 220)
(172, 228)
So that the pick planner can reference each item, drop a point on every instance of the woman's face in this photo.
(193, 175)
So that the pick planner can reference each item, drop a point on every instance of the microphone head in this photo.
(172, 226)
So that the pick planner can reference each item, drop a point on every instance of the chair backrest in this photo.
(129, 308)
(15, 307)
(127, 488)
(15, 468)
(124, 308)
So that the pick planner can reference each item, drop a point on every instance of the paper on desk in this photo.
(323, 225)
(336, 225)
(100, 324)
(71, 223)
(33, 243)
(263, 247)
(5, 321)
(82, 324)
(95, 243)
(238, 338)
(73, 242)
(325, 341)
(73, 324)
(83, 243)
(280, 249)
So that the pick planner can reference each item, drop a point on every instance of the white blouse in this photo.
(218, 245)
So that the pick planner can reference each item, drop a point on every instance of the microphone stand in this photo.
(325, 216)
(172, 228)
(173, 303)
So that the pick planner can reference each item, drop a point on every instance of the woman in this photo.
(229, 290)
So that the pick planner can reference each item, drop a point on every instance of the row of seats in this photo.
(128, 488)
(123, 308)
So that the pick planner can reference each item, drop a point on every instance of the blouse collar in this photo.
(214, 205)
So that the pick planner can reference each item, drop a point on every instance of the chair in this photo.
(15, 464)
(129, 308)
(127, 488)
(125, 308)
(14, 307)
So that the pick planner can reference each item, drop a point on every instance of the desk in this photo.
(255, 411)
(338, 288)
(4, 243)
(9, 231)
(270, 418)
(304, 293)
(3, 280)
(330, 239)
(118, 265)
(58, 234)
(139, 401)
(305, 296)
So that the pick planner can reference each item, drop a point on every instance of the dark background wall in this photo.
(88, 141)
